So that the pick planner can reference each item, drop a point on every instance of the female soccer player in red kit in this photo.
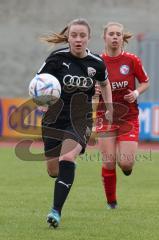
(119, 145)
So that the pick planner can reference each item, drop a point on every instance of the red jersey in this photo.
(123, 70)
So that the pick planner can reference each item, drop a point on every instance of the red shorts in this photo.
(123, 130)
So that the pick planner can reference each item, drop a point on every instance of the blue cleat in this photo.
(112, 205)
(53, 218)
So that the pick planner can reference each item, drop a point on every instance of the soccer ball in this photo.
(45, 89)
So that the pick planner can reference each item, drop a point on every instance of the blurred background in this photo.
(21, 53)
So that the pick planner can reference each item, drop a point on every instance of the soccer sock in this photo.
(63, 183)
(109, 182)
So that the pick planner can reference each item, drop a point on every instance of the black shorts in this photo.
(55, 133)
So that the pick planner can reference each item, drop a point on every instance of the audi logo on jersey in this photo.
(79, 82)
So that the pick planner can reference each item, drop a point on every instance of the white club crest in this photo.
(91, 71)
(124, 69)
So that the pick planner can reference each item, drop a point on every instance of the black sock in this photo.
(127, 172)
(63, 183)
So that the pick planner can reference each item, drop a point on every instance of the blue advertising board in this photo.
(149, 121)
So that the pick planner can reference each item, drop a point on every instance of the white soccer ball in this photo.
(45, 89)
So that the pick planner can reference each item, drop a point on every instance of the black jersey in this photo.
(77, 76)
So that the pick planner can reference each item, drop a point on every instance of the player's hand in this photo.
(131, 96)
(43, 109)
(109, 117)
(97, 90)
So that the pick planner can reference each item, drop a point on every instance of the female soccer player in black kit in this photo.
(66, 126)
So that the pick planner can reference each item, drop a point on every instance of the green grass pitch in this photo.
(26, 197)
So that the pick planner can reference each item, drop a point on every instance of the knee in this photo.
(52, 176)
(109, 165)
(53, 173)
(52, 167)
(125, 166)
(68, 157)
(126, 163)
(108, 161)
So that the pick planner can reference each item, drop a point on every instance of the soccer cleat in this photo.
(112, 205)
(53, 218)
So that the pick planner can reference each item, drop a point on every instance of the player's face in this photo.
(114, 38)
(78, 38)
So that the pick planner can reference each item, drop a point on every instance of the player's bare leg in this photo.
(52, 166)
(126, 155)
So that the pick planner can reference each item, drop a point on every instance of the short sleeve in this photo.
(50, 66)
(103, 74)
(140, 72)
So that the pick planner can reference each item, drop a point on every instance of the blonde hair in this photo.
(62, 37)
(126, 35)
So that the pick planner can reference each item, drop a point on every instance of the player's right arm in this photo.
(142, 78)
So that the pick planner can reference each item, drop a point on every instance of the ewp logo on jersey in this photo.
(124, 69)
(91, 71)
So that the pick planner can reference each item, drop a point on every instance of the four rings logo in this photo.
(79, 82)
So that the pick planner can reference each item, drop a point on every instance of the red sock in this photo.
(109, 182)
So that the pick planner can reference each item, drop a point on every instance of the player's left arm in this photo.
(142, 78)
(143, 87)
(133, 94)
